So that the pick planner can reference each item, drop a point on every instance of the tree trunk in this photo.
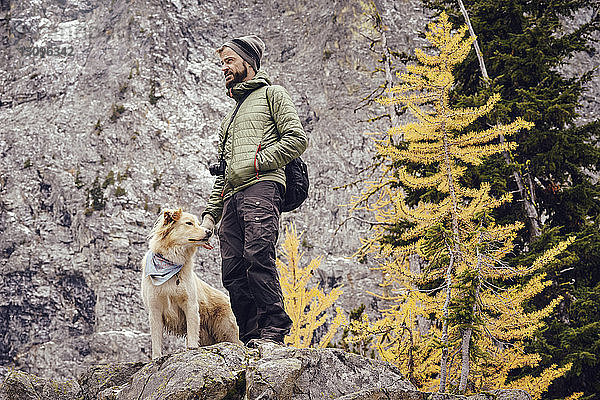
(465, 367)
(446, 312)
(527, 194)
(475, 43)
(454, 252)
(392, 109)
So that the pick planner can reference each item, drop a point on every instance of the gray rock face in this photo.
(119, 118)
(289, 373)
(104, 379)
(232, 372)
(97, 138)
(214, 372)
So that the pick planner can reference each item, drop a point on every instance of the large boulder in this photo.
(18, 385)
(289, 373)
(227, 371)
(214, 372)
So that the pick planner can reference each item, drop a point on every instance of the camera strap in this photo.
(237, 107)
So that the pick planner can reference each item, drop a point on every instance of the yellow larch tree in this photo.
(472, 298)
(306, 306)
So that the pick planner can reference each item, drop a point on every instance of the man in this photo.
(256, 141)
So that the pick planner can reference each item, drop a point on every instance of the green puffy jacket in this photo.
(263, 137)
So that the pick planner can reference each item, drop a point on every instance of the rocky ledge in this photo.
(228, 371)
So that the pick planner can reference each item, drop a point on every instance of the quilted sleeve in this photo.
(214, 207)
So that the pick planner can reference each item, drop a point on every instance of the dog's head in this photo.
(175, 227)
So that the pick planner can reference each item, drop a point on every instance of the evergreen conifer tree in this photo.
(524, 44)
(480, 327)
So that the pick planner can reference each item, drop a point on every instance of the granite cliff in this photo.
(97, 138)
(119, 119)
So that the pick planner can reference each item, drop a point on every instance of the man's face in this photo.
(234, 67)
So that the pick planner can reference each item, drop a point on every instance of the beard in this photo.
(238, 77)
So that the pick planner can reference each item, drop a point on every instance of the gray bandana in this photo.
(160, 269)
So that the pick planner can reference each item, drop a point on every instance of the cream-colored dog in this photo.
(179, 302)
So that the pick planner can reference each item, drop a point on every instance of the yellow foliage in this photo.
(307, 307)
(536, 386)
(461, 247)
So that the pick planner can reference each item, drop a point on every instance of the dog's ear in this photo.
(176, 215)
(168, 217)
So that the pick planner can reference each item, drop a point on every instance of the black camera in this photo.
(218, 169)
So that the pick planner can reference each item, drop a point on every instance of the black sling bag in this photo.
(296, 178)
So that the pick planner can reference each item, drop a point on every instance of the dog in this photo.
(177, 300)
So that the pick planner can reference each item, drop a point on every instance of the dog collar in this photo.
(160, 269)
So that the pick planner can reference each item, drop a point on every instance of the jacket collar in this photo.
(240, 89)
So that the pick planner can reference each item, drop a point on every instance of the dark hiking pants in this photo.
(248, 235)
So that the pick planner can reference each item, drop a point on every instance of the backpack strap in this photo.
(269, 101)
(271, 110)
(237, 107)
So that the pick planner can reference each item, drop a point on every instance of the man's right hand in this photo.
(208, 224)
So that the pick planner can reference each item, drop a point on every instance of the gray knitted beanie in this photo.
(250, 48)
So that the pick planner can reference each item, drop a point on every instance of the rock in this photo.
(97, 139)
(105, 378)
(227, 371)
(289, 373)
(400, 394)
(18, 385)
(214, 372)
